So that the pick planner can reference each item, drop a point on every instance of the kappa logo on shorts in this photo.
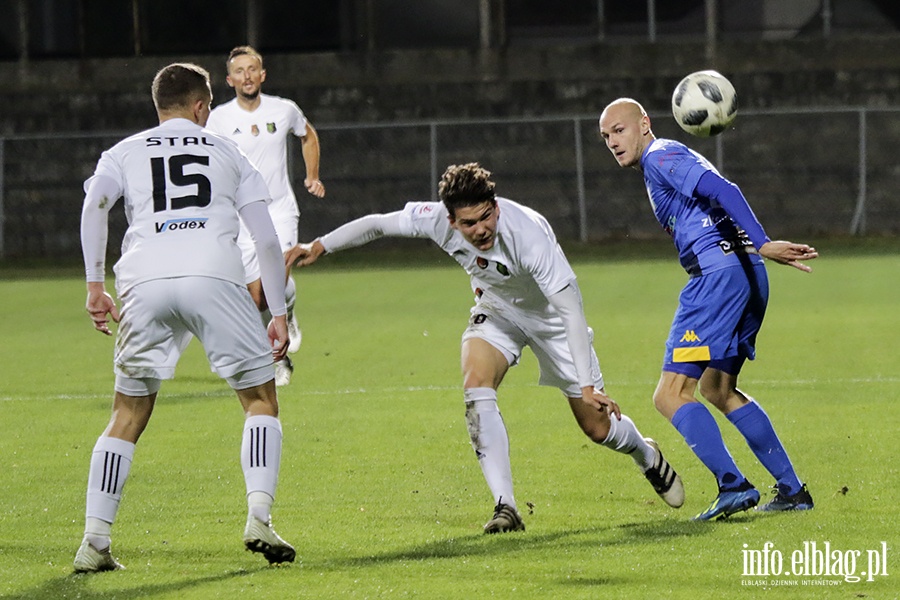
(690, 336)
(180, 224)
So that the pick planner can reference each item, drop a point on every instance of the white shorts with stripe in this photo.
(159, 317)
(510, 330)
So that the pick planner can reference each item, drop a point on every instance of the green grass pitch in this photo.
(380, 491)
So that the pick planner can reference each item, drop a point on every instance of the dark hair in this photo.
(180, 84)
(243, 51)
(465, 185)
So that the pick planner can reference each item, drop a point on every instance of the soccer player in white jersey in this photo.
(260, 125)
(526, 294)
(180, 275)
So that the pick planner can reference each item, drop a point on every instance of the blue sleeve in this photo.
(678, 167)
(715, 187)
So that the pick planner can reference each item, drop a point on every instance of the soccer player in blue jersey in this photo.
(721, 245)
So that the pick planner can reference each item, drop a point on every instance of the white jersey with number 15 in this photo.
(182, 186)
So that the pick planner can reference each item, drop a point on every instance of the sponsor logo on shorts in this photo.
(690, 336)
(180, 225)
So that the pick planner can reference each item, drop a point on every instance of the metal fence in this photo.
(806, 172)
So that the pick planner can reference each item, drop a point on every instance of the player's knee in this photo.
(715, 395)
(478, 378)
(666, 402)
(597, 431)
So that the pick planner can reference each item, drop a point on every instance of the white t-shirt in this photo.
(182, 186)
(523, 268)
(262, 135)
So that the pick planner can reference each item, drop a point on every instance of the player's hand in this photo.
(315, 187)
(303, 255)
(788, 253)
(596, 398)
(99, 304)
(278, 337)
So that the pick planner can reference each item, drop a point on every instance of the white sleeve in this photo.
(364, 230)
(101, 192)
(297, 120)
(568, 304)
(268, 250)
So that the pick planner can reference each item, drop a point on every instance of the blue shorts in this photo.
(718, 317)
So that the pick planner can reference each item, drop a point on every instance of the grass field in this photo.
(379, 489)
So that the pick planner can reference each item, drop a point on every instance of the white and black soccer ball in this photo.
(704, 103)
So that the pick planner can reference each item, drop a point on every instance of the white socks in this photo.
(260, 460)
(110, 463)
(490, 442)
(625, 438)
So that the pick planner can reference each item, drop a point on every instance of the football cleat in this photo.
(294, 333)
(801, 500)
(506, 518)
(260, 537)
(90, 560)
(284, 368)
(729, 502)
(664, 479)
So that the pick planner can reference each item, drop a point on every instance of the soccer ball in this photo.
(704, 103)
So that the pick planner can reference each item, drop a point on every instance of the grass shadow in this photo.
(76, 585)
(479, 544)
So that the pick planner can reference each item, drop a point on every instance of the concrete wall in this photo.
(801, 173)
(93, 95)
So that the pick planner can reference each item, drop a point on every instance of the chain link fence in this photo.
(807, 172)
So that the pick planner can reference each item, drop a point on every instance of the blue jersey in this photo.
(707, 239)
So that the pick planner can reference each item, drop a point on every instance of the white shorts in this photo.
(160, 316)
(286, 225)
(510, 330)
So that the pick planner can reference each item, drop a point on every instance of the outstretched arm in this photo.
(729, 197)
(352, 234)
(789, 253)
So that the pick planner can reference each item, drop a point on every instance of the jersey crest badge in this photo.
(270, 127)
(254, 130)
(481, 262)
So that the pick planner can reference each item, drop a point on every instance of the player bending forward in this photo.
(525, 295)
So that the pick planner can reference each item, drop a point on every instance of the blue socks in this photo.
(701, 432)
(756, 427)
